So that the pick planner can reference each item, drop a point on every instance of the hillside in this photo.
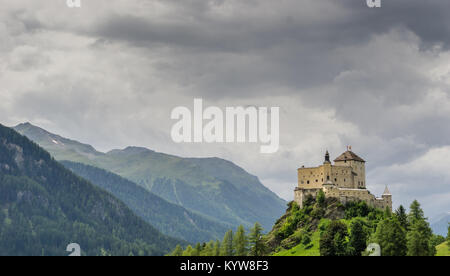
(213, 187)
(168, 218)
(44, 207)
(299, 230)
(443, 249)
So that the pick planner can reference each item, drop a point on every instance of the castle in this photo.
(345, 180)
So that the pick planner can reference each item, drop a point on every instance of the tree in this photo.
(334, 241)
(197, 250)
(188, 251)
(415, 213)
(402, 217)
(240, 242)
(208, 249)
(387, 212)
(257, 246)
(448, 236)
(419, 240)
(227, 244)
(358, 238)
(320, 198)
(216, 248)
(437, 240)
(419, 237)
(177, 252)
(391, 237)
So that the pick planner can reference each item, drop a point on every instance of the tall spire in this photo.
(327, 157)
(386, 191)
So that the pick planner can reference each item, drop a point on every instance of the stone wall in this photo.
(344, 195)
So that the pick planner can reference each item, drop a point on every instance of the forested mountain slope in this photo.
(44, 207)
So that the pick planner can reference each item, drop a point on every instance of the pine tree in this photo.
(415, 213)
(419, 237)
(334, 241)
(197, 250)
(257, 246)
(391, 237)
(227, 244)
(217, 248)
(188, 252)
(402, 217)
(358, 238)
(240, 242)
(448, 236)
(208, 249)
(177, 252)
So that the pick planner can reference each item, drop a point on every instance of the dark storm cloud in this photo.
(295, 52)
(427, 19)
(341, 72)
(322, 58)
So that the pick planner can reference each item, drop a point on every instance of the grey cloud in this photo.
(348, 75)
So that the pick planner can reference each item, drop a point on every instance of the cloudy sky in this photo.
(110, 73)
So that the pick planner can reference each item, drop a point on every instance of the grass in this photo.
(302, 250)
(443, 249)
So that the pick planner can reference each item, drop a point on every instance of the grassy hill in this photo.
(310, 249)
(168, 218)
(44, 207)
(443, 249)
(213, 187)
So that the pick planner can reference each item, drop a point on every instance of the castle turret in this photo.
(387, 197)
(327, 158)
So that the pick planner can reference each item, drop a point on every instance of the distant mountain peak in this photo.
(51, 141)
(24, 124)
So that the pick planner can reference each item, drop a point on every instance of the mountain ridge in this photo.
(213, 187)
(153, 209)
(440, 224)
(44, 207)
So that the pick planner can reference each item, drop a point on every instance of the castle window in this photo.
(328, 177)
(335, 180)
(307, 182)
(344, 179)
(322, 179)
(317, 180)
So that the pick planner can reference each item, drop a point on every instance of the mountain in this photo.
(440, 224)
(213, 187)
(168, 218)
(44, 207)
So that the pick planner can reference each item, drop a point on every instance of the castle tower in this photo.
(350, 159)
(387, 197)
(327, 169)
